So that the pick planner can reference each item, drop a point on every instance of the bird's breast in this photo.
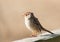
(27, 23)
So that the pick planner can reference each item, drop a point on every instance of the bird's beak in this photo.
(24, 14)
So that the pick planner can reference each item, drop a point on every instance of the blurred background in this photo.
(12, 25)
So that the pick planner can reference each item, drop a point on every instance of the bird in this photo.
(33, 24)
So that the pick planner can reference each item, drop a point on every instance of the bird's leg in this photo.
(35, 33)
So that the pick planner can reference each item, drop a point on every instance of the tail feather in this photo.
(47, 30)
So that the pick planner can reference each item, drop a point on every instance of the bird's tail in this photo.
(47, 30)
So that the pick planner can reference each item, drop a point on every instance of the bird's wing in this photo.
(36, 22)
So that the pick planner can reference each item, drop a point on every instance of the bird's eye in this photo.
(28, 14)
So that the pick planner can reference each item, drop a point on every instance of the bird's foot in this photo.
(34, 35)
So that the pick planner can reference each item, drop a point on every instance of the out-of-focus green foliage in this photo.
(55, 39)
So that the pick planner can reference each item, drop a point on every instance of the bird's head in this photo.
(28, 14)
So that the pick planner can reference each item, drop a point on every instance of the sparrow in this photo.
(33, 24)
